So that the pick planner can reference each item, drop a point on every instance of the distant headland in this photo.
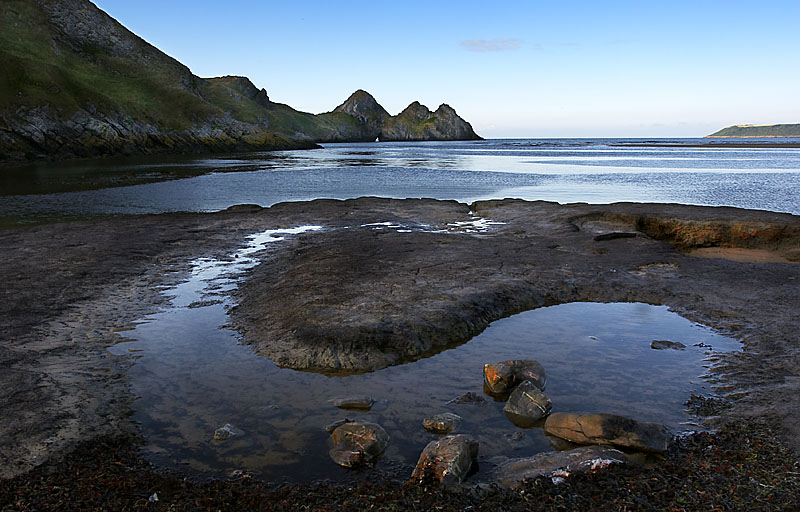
(758, 130)
(76, 83)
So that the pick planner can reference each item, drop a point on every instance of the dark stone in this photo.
(442, 423)
(447, 460)
(608, 429)
(527, 405)
(667, 345)
(558, 464)
(613, 236)
(358, 444)
(355, 402)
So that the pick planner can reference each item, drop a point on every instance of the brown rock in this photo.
(448, 460)
(558, 464)
(608, 429)
(504, 376)
(358, 444)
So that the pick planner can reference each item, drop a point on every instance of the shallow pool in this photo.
(192, 376)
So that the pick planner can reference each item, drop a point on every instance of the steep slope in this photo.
(416, 122)
(363, 107)
(76, 82)
(759, 130)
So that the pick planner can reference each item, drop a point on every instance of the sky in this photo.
(512, 69)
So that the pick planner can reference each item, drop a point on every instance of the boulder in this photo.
(503, 377)
(442, 423)
(667, 345)
(527, 405)
(448, 460)
(355, 402)
(608, 429)
(558, 464)
(358, 443)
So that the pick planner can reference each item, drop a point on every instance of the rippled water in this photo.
(192, 377)
(563, 170)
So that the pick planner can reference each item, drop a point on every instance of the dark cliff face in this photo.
(362, 106)
(416, 122)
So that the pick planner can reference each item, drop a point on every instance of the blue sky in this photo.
(513, 69)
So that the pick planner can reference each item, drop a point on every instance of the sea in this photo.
(687, 171)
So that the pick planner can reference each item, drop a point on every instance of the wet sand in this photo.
(70, 289)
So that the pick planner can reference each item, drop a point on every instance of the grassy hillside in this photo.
(43, 65)
(763, 130)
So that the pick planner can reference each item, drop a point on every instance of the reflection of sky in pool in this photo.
(192, 377)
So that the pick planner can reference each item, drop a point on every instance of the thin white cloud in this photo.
(503, 44)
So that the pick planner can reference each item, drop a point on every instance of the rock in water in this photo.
(502, 377)
(358, 443)
(224, 432)
(561, 464)
(527, 405)
(448, 460)
(469, 397)
(357, 402)
(667, 345)
(442, 423)
(608, 429)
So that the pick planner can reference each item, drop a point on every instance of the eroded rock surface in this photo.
(608, 429)
(560, 464)
(355, 299)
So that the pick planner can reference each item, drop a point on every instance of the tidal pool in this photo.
(192, 376)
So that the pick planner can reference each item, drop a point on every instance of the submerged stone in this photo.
(357, 402)
(667, 345)
(527, 405)
(447, 460)
(558, 464)
(442, 423)
(504, 376)
(608, 429)
(224, 432)
(468, 398)
(358, 443)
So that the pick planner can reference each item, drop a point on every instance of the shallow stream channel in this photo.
(192, 376)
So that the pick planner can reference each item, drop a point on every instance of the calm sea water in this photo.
(563, 170)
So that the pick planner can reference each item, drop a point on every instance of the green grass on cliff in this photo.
(39, 71)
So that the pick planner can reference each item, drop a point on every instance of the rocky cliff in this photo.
(416, 122)
(75, 82)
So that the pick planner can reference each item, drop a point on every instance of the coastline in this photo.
(104, 274)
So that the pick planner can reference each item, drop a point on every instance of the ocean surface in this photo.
(562, 170)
